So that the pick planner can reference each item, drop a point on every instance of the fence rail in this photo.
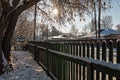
(78, 59)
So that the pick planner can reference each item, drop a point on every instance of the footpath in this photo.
(24, 68)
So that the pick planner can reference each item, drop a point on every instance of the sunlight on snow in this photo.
(55, 11)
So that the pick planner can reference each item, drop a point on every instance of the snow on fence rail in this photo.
(78, 59)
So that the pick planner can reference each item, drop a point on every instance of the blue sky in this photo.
(115, 12)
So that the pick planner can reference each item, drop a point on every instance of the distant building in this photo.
(57, 37)
(110, 33)
(64, 36)
(104, 34)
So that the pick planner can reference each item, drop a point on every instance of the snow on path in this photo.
(24, 68)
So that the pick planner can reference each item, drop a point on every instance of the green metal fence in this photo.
(78, 59)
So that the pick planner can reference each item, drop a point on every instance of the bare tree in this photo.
(54, 31)
(107, 22)
(24, 27)
(91, 26)
(73, 30)
(11, 9)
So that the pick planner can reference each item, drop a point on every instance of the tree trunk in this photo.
(8, 19)
(95, 21)
(6, 43)
(99, 20)
(1, 61)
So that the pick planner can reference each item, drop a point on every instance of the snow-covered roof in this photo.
(57, 37)
(103, 32)
(108, 31)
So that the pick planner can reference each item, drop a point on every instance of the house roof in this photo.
(103, 32)
(108, 31)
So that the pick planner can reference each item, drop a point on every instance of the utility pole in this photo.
(99, 20)
(47, 32)
(35, 13)
(95, 23)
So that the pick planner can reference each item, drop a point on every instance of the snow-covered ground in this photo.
(24, 68)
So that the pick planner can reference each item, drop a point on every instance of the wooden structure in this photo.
(78, 59)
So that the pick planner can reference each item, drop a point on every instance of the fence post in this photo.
(34, 52)
(73, 64)
(37, 53)
(104, 50)
(93, 57)
(92, 50)
(71, 52)
(88, 50)
(47, 59)
(98, 50)
(84, 52)
(104, 57)
(90, 72)
(111, 51)
(79, 64)
(110, 54)
(76, 63)
(118, 53)
(98, 57)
